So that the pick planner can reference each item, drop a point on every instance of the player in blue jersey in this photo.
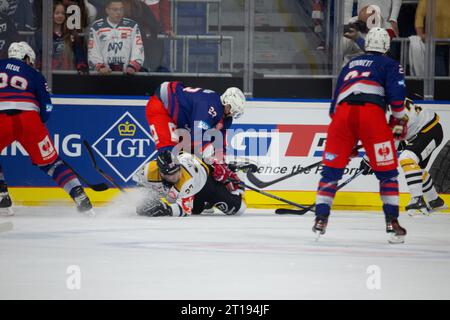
(25, 106)
(174, 106)
(195, 111)
(366, 86)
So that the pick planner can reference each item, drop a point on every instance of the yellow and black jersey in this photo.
(194, 173)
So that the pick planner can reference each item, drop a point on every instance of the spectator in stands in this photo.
(161, 12)
(88, 11)
(9, 7)
(356, 31)
(441, 30)
(68, 48)
(389, 10)
(149, 26)
(8, 34)
(115, 42)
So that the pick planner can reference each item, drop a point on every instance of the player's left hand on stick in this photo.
(399, 127)
(365, 167)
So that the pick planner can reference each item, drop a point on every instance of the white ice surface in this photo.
(256, 256)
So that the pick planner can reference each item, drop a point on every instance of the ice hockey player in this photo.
(175, 106)
(424, 135)
(25, 106)
(187, 185)
(365, 87)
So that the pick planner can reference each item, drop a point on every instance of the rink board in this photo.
(278, 135)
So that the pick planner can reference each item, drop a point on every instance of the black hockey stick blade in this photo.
(99, 170)
(264, 184)
(273, 196)
(96, 187)
(295, 211)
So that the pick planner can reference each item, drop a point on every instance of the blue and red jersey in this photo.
(193, 107)
(372, 75)
(23, 88)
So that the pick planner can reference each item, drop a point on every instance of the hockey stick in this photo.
(313, 206)
(264, 184)
(96, 187)
(6, 226)
(275, 197)
(99, 170)
(261, 184)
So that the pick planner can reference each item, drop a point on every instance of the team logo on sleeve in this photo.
(384, 154)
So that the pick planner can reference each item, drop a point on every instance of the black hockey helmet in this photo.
(167, 162)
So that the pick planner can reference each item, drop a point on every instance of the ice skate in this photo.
(437, 204)
(417, 206)
(396, 232)
(5, 201)
(82, 201)
(320, 226)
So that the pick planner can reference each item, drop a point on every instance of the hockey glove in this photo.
(399, 127)
(154, 209)
(365, 167)
(221, 173)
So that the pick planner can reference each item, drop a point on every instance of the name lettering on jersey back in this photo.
(13, 67)
(360, 63)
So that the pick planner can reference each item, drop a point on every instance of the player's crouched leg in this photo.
(217, 195)
(64, 176)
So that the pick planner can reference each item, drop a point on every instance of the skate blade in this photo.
(415, 212)
(90, 213)
(396, 239)
(441, 208)
(6, 212)
(6, 226)
(317, 234)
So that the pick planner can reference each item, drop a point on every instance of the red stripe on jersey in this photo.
(368, 82)
(23, 94)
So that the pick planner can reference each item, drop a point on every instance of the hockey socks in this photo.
(327, 190)
(62, 175)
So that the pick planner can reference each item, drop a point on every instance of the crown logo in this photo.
(126, 129)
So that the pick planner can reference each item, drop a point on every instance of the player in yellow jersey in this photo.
(185, 185)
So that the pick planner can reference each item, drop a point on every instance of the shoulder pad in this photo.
(97, 24)
(128, 22)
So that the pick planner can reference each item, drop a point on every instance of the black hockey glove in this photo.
(154, 209)
(364, 166)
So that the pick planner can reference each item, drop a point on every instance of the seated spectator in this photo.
(356, 31)
(441, 30)
(68, 49)
(115, 42)
(389, 11)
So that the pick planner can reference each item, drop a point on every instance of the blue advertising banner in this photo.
(119, 136)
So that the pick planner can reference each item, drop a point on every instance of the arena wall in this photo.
(279, 135)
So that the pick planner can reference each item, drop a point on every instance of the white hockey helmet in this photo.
(21, 50)
(235, 98)
(378, 40)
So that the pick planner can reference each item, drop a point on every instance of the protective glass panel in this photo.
(292, 38)
(19, 21)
